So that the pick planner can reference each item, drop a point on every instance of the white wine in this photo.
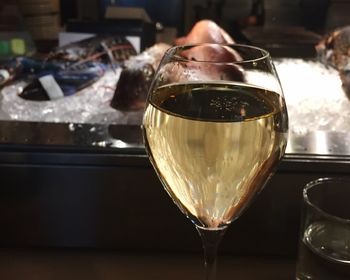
(214, 145)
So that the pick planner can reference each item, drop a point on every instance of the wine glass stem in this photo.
(210, 239)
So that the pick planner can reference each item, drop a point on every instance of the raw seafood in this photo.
(205, 31)
(67, 70)
(67, 81)
(135, 78)
(137, 74)
(334, 50)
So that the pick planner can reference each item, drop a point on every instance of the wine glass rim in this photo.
(316, 183)
(264, 53)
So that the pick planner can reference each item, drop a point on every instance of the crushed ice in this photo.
(91, 105)
(314, 96)
(313, 93)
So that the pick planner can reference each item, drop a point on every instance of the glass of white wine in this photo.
(215, 127)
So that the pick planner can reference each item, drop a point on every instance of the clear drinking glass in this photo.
(324, 244)
(215, 127)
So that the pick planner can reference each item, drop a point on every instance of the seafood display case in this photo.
(74, 171)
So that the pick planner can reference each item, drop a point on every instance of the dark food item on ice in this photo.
(68, 69)
(50, 85)
(136, 77)
(24, 68)
(141, 78)
(334, 50)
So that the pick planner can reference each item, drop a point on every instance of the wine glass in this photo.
(215, 127)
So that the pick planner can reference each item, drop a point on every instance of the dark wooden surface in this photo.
(104, 215)
(66, 195)
(113, 201)
(111, 265)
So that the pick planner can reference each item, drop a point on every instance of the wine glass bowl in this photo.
(215, 127)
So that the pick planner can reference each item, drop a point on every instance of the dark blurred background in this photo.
(317, 15)
(267, 23)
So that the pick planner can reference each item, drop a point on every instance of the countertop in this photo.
(104, 265)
